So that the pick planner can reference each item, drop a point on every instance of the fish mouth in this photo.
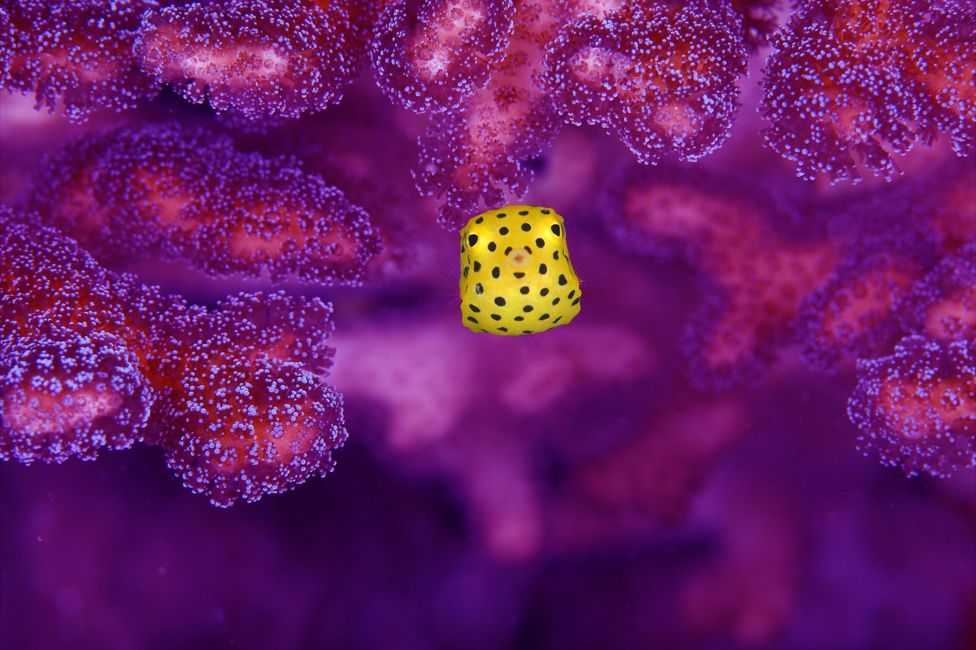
(518, 257)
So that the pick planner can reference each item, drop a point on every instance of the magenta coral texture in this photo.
(93, 359)
(255, 58)
(76, 56)
(238, 406)
(67, 396)
(916, 406)
(429, 56)
(661, 76)
(850, 83)
(191, 195)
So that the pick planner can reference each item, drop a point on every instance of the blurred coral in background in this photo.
(228, 261)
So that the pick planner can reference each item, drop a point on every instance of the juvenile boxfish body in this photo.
(516, 276)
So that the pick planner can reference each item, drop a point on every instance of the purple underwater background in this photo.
(239, 409)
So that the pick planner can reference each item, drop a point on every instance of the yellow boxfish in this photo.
(516, 276)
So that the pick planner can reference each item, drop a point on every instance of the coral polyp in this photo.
(244, 417)
(46, 279)
(189, 195)
(851, 84)
(474, 157)
(431, 54)
(92, 359)
(249, 57)
(917, 407)
(661, 76)
(942, 306)
(65, 395)
(74, 56)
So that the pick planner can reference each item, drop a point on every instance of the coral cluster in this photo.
(77, 56)
(846, 85)
(190, 195)
(772, 209)
(258, 59)
(846, 285)
(66, 395)
(916, 406)
(662, 76)
(851, 82)
(91, 359)
(755, 271)
(430, 56)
